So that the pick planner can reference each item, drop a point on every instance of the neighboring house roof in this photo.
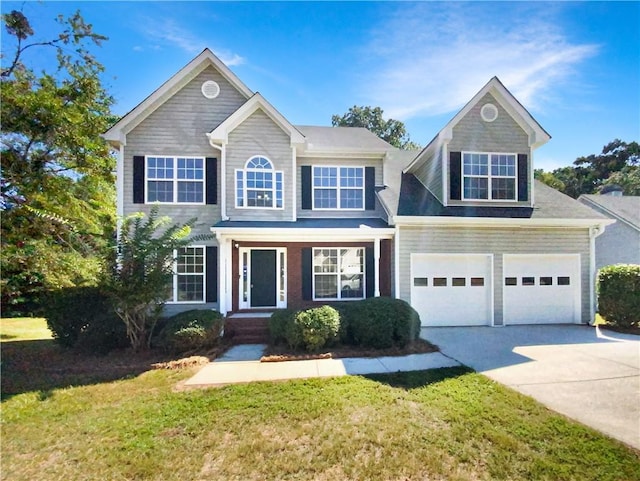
(550, 204)
(342, 139)
(257, 101)
(116, 134)
(624, 208)
(394, 163)
(537, 135)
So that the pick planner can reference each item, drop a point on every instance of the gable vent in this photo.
(489, 112)
(210, 89)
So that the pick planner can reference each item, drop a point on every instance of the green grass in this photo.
(438, 424)
(23, 329)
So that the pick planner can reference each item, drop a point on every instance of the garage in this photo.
(452, 289)
(541, 289)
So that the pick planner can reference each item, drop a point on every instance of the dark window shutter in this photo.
(455, 175)
(523, 177)
(307, 273)
(306, 181)
(369, 188)
(212, 180)
(138, 179)
(211, 274)
(370, 272)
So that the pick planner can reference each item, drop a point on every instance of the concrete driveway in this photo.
(585, 373)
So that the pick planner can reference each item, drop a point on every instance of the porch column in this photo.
(224, 273)
(376, 266)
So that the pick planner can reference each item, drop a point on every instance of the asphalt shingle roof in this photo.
(626, 208)
(342, 138)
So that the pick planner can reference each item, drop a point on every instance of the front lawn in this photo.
(438, 424)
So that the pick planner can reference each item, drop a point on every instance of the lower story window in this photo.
(338, 273)
(189, 274)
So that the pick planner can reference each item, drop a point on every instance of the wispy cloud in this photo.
(431, 58)
(166, 32)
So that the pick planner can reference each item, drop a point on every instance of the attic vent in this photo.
(210, 89)
(489, 112)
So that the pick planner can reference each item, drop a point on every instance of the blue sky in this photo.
(574, 65)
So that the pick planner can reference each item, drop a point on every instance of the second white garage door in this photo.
(541, 289)
(452, 289)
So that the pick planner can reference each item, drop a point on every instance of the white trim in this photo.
(292, 234)
(396, 263)
(484, 111)
(120, 185)
(294, 186)
(174, 281)
(338, 274)
(593, 300)
(223, 256)
(376, 268)
(338, 188)
(242, 304)
(223, 182)
(497, 222)
(175, 180)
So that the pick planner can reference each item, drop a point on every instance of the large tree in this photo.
(617, 163)
(391, 131)
(56, 186)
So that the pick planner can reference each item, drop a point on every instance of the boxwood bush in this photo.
(619, 294)
(191, 330)
(279, 322)
(381, 322)
(83, 317)
(313, 328)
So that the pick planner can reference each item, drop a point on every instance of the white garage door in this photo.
(452, 289)
(541, 289)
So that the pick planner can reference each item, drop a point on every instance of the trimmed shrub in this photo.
(619, 294)
(279, 323)
(381, 322)
(313, 328)
(83, 317)
(346, 310)
(191, 330)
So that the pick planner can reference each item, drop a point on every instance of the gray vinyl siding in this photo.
(472, 134)
(449, 240)
(319, 161)
(178, 127)
(619, 244)
(430, 173)
(259, 135)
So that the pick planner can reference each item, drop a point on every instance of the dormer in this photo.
(483, 156)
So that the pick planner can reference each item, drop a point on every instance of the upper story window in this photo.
(258, 185)
(338, 188)
(489, 176)
(172, 180)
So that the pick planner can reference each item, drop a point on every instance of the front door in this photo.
(263, 278)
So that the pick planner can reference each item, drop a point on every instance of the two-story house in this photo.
(303, 214)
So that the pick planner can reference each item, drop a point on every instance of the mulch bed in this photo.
(283, 353)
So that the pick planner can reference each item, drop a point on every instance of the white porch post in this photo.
(376, 266)
(224, 274)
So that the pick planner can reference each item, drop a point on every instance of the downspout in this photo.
(223, 184)
(594, 232)
(119, 189)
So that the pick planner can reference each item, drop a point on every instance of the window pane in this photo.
(477, 281)
(546, 281)
(326, 286)
(159, 191)
(458, 282)
(190, 168)
(475, 164)
(352, 261)
(160, 168)
(190, 191)
(351, 287)
(325, 260)
(503, 188)
(325, 199)
(511, 281)
(476, 188)
(190, 288)
(564, 281)
(351, 199)
(420, 281)
(325, 176)
(259, 198)
(439, 282)
(528, 281)
(190, 260)
(503, 165)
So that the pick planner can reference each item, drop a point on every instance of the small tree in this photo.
(142, 270)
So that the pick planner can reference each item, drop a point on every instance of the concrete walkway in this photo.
(585, 373)
(241, 364)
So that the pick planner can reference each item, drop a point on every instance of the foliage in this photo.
(279, 323)
(347, 310)
(619, 294)
(618, 163)
(57, 193)
(191, 330)
(391, 131)
(142, 270)
(82, 317)
(313, 328)
(381, 322)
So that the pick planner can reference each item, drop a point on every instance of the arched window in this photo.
(259, 185)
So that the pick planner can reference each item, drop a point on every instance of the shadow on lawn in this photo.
(43, 366)
(416, 379)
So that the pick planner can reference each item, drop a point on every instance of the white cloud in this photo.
(167, 33)
(431, 58)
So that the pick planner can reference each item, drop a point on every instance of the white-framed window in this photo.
(175, 180)
(258, 185)
(338, 188)
(338, 273)
(489, 176)
(189, 282)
